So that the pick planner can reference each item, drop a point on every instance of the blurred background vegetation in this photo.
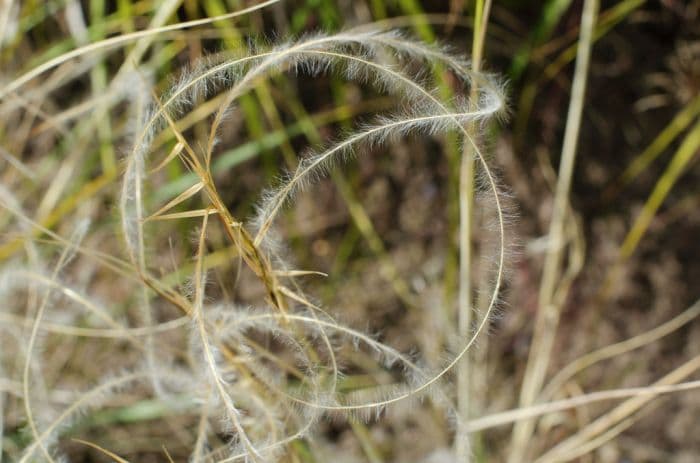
(385, 227)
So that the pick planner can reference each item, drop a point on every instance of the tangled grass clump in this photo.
(289, 317)
(262, 373)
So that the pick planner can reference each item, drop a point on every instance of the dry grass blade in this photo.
(620, 348)
(109, 453)
(612, 418)
(512, 416)
(120, 40)
(177, 149)
(183, 215)
(548, 315)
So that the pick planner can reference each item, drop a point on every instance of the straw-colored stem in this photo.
(549, 311)
(466, 203)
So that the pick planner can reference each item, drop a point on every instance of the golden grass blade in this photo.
(177, 149)
(184, 215)
(109, 453)
(185, 195)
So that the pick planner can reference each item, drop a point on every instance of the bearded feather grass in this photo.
(407, 123)
(132, 216)
(315, 55)
(263, 375)
(93, 397)
(64, 259)
(233, 414)
(227, 365)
